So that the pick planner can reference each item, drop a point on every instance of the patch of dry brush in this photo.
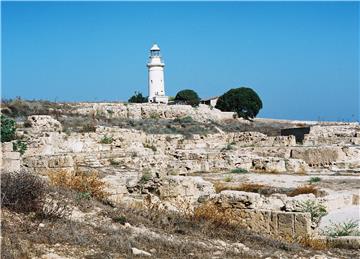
(82, 182)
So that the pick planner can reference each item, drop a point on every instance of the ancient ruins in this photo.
(251, 176)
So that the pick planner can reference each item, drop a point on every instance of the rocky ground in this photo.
(179, 182)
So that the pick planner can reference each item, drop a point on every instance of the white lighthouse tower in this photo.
(156, 76)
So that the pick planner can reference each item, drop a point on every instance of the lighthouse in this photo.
(156, 76)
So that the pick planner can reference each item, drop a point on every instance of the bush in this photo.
(244, 101)
(106, 140)
(187, 96)
(19, 146)
(316, 209)
(151, 146)
(347, 228)
(137, 98)
(239, 171)
(81, 182)
(7, 129)
(22, 192)
(314, 180)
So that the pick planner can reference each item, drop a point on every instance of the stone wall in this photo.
(146, 110)
(287, 225)
(10, 160)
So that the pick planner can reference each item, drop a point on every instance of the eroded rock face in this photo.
(318, 156)
(191, 188)
(43, 123)
(239, 199)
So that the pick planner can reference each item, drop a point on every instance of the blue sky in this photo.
(302, 58)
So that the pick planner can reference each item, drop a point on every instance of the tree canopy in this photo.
(244, 101)
(137, 98)
(187, 96)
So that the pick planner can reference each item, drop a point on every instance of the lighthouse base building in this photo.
(156, 77)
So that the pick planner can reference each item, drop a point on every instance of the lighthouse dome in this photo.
(155, 47)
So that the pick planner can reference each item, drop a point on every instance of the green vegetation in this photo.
(106, 140)
(239, 171)
(314, 180)
(7, 129)
(228, 178)
(146, 176)
(151, 146)
(347, 228)
(120, 219)
(187, 96)
(137, 98)
(19, 146)
(244, 101)
(113, 162)
(316, 209)
(229, 146)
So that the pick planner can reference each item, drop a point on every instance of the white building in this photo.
(156, 77)
(210, 101)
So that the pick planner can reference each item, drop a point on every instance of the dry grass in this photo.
(315, 243)
(305, 189)
(81, 182)
(22, 192)
(215, 214)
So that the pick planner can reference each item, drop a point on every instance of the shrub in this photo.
(120, 219)
(244, 101)
(113, 162)
(186, 119)
(81, 182)
(306, 189)
(137, 98)
(54, 209)
(187, 96)
(316, 209)
(154, 115)
(347, 228)
(228, 178)
(228, 147)
(106, 140)
(19, 146)
(22, 192)
(151, 146)
(7, 129)
(216, 215)
(314, 180)
(239, 171)
(146, 176)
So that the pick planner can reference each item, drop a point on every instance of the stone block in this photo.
(285, 224)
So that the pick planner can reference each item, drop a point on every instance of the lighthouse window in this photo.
(151, 81)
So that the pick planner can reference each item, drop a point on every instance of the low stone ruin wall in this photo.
(10, 160)
(287, 225)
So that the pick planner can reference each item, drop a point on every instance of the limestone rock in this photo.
(138, 252)
(43, 123)
(185, 186)
(239, 199)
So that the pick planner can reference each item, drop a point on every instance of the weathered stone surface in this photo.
(185, 186)
(42, 123)
(239, 199)
(318, 156)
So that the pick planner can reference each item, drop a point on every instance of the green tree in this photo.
(138, 98)
(244, 101)
(7, 129)
(187, 96)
